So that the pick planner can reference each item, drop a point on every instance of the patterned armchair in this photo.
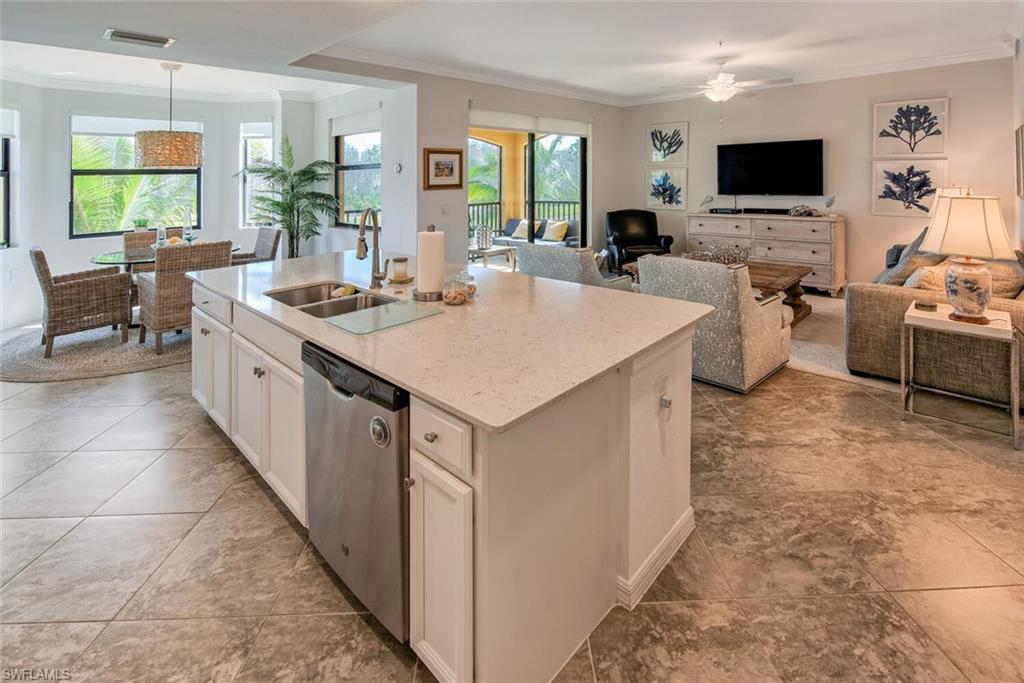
(570, 265)
(265, 249)
(744, 340)
(81, 301)
(165, 294)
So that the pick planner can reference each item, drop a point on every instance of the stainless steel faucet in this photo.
(377, 275)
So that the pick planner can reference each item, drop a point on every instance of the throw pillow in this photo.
(555, 232)
(910, 260)
(1007, 277)
(522, 230)
(929, 277)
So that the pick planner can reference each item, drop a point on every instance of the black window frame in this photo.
(5, 182)
(197, 172)
(245, 176)
(341, 168)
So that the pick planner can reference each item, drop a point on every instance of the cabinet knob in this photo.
(814, 230)
(700, 225)
(204, 303)
(409, 482)
(769, 248)
(665, 402)
(258, 371)
(768, 228)
(813, 251)
(430, 437)
(736, 226)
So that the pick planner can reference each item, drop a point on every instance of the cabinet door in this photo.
(440, 570)
(247, 387)
(286, 450)
(218, 403)
(202, 358)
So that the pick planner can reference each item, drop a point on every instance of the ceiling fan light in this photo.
(720, 93)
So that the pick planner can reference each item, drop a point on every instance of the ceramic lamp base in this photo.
(969, 289)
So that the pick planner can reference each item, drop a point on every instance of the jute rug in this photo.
(84, 355)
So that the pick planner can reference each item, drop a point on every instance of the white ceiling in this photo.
(615, 52)
(102, 71)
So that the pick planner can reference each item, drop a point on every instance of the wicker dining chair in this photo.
(80, 301)
(265, 249)
(133, 241)
(165, 295)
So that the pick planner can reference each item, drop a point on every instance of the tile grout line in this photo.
(946, 516)
(928, 634)
(58, 460)
(590, 656)
(45, 550)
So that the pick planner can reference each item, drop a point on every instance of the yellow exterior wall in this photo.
(513, 168)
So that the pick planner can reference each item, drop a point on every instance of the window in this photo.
(357, 184)
(257, 147)
(484, 184)
(109, 195)
(5, 192)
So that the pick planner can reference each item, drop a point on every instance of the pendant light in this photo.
(168, 148)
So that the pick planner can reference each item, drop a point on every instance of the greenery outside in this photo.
(112, 203)
(484, 172)
(360, 186)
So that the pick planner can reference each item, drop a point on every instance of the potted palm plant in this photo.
(288, 198)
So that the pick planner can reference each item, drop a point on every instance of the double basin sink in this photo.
(316, 299)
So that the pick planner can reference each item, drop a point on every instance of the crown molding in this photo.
(84, 85)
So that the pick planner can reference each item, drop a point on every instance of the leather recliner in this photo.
(633, 233)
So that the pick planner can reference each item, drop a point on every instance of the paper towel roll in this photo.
(430, 261)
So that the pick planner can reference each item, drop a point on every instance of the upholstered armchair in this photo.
(80, 301)
(633, 233)
(165, 295)
(265, 249)
(744, 340)
(570, 265)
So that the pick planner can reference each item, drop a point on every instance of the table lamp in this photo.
(970, 228)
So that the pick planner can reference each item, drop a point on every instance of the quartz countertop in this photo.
(523, 343)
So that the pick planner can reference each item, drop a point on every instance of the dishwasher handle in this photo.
(350, 380)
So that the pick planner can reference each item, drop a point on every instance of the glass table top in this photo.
(128, 257)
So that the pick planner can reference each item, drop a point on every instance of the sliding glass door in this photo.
(537, 177)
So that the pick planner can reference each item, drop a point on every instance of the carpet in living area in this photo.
(88, 354)
(818, 344)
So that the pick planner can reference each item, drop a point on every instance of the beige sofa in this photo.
(874, 315)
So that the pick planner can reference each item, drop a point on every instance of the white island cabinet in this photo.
(549, 463)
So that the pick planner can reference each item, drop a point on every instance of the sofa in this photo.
(744, 340)
(505, 239)
(874, 316)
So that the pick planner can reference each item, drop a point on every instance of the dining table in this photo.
(128, 258)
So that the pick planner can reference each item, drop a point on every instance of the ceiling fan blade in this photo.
(683, 87)
(764, 82)
(746, 93)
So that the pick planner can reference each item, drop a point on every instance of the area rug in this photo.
(819, 343)
(89, 354)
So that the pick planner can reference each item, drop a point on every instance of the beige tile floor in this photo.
(833, 542)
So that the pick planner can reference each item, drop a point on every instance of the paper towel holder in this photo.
(417, 295)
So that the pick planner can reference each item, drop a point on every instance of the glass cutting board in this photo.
(379, 318)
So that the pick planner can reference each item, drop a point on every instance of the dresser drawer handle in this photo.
(769, 248)
(205, 303)
(813, 251)
(736, 226)
(768, 228)
(814, 230)
(430, 437)
(700, 225)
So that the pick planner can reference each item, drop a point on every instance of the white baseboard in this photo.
(632, 589)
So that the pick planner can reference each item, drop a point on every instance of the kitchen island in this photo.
(550, 444)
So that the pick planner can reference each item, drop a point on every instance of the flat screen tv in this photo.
(782, 168)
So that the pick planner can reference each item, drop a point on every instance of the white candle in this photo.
(430, 261)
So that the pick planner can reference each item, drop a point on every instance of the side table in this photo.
(999, 329)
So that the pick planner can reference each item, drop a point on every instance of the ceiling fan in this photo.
(722, 86)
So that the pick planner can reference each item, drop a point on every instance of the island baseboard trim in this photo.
(631, 590)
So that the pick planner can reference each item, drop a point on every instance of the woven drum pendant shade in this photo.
(168, 148)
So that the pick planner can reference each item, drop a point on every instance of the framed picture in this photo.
(442, 169)
(911, 128)
(1020, 161)
(667, 143)
(666, 187)
(906, 187)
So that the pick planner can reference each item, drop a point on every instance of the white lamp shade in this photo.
(952, 191)
(964, 225)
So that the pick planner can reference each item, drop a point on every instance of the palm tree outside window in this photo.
(110, 196)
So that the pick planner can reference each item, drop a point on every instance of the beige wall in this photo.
(1018, 100)
(840, 112)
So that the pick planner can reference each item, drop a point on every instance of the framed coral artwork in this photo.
(668, 143)
(665, 187)
(906, 187)
(911, 128)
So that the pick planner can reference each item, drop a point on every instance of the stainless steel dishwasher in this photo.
(357, 460)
